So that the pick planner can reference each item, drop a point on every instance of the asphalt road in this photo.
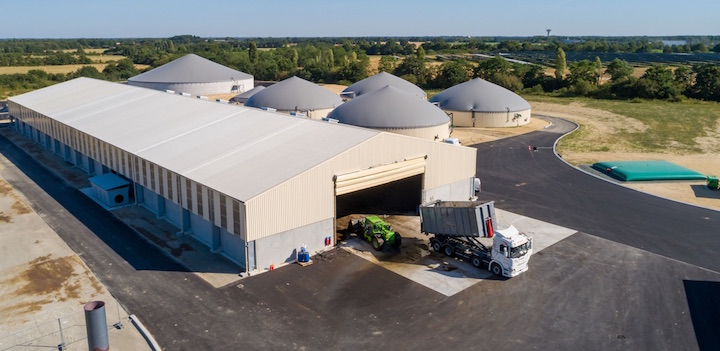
(584, 292)
(539, 185)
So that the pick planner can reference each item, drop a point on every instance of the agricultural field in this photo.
(64, 69)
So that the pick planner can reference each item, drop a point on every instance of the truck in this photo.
(455, 227)
(376, 231)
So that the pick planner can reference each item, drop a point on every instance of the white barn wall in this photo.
(310, 197)
(280, 248)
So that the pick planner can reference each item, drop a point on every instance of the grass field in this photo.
(688, 127)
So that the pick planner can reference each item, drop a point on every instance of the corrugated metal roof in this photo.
(294, 94)
(480, 96)
(190, 68)
(389, 107)
(238, 151)
(382, 79)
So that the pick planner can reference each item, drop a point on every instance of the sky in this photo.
(337, 18)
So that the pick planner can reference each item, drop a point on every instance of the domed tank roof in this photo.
(380, 80)
(294, 94)
(190, 68)
(389, 108)
(246, 95)
(480, 96)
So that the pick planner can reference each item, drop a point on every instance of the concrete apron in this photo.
(449, 275)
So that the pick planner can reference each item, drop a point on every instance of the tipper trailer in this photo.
(455, 227)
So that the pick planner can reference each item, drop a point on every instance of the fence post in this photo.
(62, 337)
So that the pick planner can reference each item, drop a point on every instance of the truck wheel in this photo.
(476, 261)
(495, 269)
(448, 251)
(398, 241)
(436, 246)
(377, 243)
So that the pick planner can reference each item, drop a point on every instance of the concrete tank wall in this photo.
(489, 119)
(428, 133)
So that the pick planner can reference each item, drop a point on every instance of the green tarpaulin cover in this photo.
(647, 170)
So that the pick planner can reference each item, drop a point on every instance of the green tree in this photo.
(413, 66)
(598, 69)
(420, 53)
(619, 70)
(583, 70)
(658, 83)
(683, 77)
(387, 64)
(707, 82)
(493, 66)
(560, 63)
(452, 73)
(253, 52)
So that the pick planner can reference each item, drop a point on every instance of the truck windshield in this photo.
(519, 251)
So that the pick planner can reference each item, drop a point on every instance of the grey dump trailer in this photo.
(455, 226)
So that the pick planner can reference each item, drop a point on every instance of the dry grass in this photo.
(105, 58)
(87, 51)
(64, 69)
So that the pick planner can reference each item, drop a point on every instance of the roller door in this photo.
(375, 176)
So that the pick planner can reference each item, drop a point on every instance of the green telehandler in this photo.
(376, 231)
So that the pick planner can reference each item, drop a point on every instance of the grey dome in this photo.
(480, 96)
(380, 80)
(389, 108)
(246, 95)
(190, 68)
(294, 94)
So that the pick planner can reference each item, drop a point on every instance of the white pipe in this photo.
(145, 333)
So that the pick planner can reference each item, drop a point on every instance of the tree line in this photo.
(344, 61)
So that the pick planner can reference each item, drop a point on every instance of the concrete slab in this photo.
(44, 285)
(446, 275)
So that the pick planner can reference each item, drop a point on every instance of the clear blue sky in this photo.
(289, 18)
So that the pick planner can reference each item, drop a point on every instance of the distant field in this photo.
(65, 69)
(105, 58)
(87, 51)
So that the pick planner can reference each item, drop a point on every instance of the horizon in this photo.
(78, 19)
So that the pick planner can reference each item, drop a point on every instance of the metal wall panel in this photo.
(310, 198)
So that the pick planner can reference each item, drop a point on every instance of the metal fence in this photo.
(65, 333)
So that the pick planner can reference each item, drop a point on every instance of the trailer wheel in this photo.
(448, 251)
(476, 261)
(377, 243)
(436, 245)
(397, 242)
(495, 269)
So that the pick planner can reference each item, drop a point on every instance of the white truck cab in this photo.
(511, 252)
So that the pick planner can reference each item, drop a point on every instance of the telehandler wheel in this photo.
(436, 245)
(495, 269)
(476, 261)
(448, 251)
(398, 241)
(377, 242)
